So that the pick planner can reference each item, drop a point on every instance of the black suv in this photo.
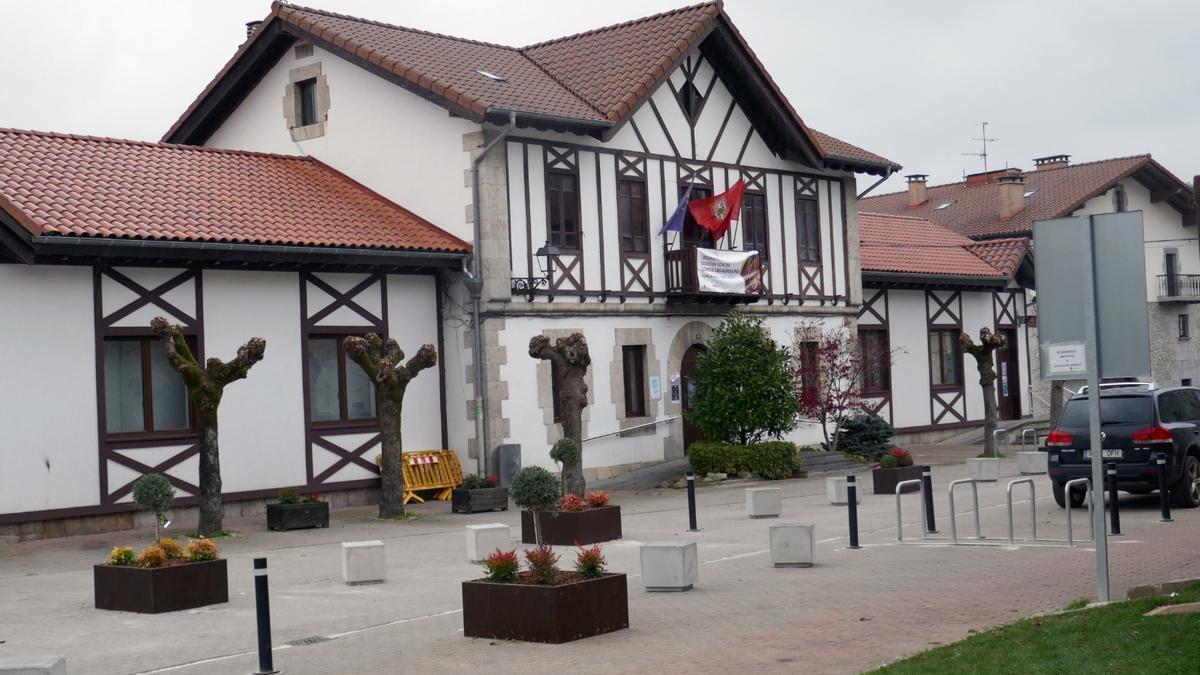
(1137, 423)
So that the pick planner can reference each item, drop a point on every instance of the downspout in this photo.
(475, 287)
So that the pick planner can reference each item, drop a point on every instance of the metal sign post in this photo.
(1092, 353)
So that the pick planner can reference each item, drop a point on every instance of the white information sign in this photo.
(728, 271)
(1067, 359)
(655, 388)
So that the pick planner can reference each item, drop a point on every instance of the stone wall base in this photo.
(606, 472)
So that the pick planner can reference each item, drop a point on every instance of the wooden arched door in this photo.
(687, 386)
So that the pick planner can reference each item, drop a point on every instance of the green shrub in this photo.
(565, 452)
(888, 462)
(153, 492)
(866, 436)
(289, 496)
(772, 460)
(535, 488)
(473, 482)
(903, 457)
(122, 556)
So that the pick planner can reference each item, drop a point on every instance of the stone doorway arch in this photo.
(690, 335)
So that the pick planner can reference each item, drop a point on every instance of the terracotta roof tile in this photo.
(1003, 254)
(57, 184)
(837, 148)
(975, 211)
(908, 245)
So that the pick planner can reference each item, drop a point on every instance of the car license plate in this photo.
(1105, 453)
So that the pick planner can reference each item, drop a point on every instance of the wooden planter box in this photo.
(161, 589)
(553, 614)
(297, 516)
(474, 501)
(885, 480)
(567, 528)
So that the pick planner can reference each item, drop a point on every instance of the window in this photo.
(631, 216)
(690, 99)
(754, 223)
(808, 233)
(1176, 406)
(944, 357)
(306, 102)
(1120, 201)
(633, 363)
(1183, 327)
(693, 234)
(142, 392)
(1185, 382)
(876, 360)
(562, 202)
(1113, 410)
(810, 373)
(338, 389)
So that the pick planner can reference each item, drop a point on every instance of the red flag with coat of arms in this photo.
(715, 213)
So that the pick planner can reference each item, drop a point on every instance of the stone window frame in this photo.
(545, 386)
(291, 102)
(634, 337)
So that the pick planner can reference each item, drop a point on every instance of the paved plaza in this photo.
(853, 611)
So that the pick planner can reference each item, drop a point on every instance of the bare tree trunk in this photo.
(985, 363)
(381, 361)
(1056, 401)
(571, 360)
(206, 384)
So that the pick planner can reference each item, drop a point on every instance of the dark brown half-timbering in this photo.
(947, 398)
(808, 239)
(873, 319)
(563, 226)
(633, 224)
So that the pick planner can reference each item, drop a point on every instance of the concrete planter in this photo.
(884, 481)
(553, 614)
(363, 562)
(161, 589)
(297, 516)
(764, 502)
(835, 490)
(669, 566)
(33, 665)
(567, 528)
(1032, 462)
(983, 468)
(482, 540)
(793, 545)
(475, 501)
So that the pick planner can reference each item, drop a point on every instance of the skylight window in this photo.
(943, 205)
(491, 76)
(1030, 193)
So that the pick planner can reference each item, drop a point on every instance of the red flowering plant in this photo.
(570, 502)
(501, 566)
(596, 499)
(903, 457)
(543, 565)
(589, 562)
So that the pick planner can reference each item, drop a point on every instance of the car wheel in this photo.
(1186, 492)
(1060, 497)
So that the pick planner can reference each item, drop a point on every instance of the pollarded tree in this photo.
(743, 385)
(570, 358)
(205, 385)
(381, 361)
(985, 361)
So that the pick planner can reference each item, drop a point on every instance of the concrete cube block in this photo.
(1031, 462)
(33, 665)
(793, 545)
(983, 469)
(483, 540)
(764, 502)
(363, 562)
(835, 490)
(669, 565)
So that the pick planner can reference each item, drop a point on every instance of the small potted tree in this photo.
(294, 512)
(570, 519)
(478, 493)
(544, 603)
(164, 577)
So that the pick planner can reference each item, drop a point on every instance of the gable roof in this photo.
(974, 205)
(65, 186)
(586, 83)
(915, 249)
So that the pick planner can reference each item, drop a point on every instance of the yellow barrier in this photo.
(429, 470)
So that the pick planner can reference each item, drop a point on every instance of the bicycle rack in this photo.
(1025, 437)
(1087, 498)
(1032, 509)
(900, 520)
(954, 516)
(996, 443)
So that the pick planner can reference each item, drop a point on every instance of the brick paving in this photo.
(853, 611)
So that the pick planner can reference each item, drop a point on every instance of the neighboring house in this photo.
(923, 286)
(335, 149)
(1005, 203)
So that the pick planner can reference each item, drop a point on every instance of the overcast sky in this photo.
(910, 80)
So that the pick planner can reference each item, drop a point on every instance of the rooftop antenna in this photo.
(983, 138)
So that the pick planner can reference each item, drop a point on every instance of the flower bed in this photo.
(163, 578)
(477, 494)
(576, 521)
(294, 512)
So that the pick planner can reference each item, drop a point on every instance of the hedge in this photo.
(771, 460)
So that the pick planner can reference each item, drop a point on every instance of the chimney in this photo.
(252, 26)
(916, 189)
(1012, 195)
(1051, 162)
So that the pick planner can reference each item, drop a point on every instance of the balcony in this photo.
(735, 278)
(1179, 288)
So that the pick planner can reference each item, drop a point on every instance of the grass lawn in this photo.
(1111, 639)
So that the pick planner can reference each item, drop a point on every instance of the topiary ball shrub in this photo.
(865, 436)
(888, 462)
(565, 452)
(534, 488)
(153, 492)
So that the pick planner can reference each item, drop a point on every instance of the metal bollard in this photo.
(262, 602)
(1113, 507)
(927, 483)
(852, 504)
(1164, 499)
(691, 488)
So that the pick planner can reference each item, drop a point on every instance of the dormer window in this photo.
(306, 102)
